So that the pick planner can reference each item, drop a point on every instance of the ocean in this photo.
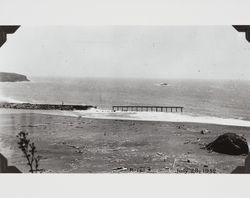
(226, 101)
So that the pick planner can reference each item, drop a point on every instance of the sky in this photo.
(166, 52)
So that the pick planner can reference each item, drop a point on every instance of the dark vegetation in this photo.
(29, 150)
(229, 143)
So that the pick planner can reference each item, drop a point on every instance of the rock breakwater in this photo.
(45, 106)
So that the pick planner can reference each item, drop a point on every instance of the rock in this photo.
(163, 84)
(204, 131)
(229, 143)
(159, 153)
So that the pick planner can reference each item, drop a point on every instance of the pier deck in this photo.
(149, 108)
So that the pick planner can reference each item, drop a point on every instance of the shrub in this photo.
(29, 150)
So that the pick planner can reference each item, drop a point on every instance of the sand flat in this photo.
(82, 145)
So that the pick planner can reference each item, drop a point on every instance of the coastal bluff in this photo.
(30, 106)
(12, 77)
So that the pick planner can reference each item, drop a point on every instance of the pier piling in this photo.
(149, 108)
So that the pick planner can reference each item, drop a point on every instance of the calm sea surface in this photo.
(225, 99)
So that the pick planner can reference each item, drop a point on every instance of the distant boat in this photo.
(163, 84)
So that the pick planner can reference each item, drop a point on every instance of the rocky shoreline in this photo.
(45, 106)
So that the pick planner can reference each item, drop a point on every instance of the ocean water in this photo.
(201, 99)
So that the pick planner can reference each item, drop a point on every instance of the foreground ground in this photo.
(80, 145)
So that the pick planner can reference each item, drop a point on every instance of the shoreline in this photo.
(136, 116)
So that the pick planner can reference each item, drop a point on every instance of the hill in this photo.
(12, 77)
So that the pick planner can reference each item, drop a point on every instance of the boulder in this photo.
(229, 143)
(204, 131)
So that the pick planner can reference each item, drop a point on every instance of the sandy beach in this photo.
(82, 145)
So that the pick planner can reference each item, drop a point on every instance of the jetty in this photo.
(45, 106)
(149, 108)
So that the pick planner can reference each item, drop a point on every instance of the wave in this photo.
(143, 116)
(160, 116)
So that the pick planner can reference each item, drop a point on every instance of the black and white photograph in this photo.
(125, 99)
(115, 98)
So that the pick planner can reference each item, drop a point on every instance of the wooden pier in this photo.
(149, 108)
